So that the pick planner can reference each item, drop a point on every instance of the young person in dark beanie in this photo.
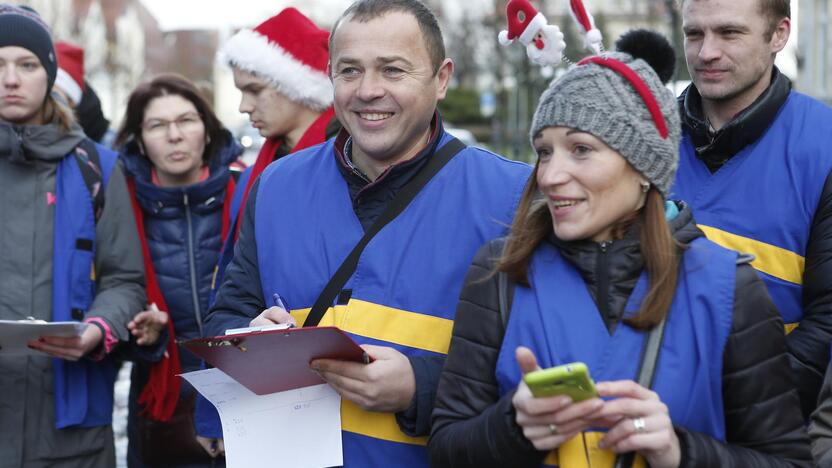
(69, 253)
(599, 259)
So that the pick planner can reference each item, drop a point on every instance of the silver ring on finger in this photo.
(553, 429)
(639, 425)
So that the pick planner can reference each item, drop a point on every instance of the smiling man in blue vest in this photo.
(309, 210)
(755, 166)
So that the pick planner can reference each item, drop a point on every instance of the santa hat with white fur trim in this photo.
(291, 52)
(70, 76)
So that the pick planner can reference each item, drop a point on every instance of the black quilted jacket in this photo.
(473, 426)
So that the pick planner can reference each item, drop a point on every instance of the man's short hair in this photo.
(367, 10)
(775, 10)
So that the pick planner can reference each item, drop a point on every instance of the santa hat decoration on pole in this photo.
(544, 42)
(291, 52)
(70, 77)
(587, 23)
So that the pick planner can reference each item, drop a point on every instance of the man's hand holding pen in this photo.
(278, 313)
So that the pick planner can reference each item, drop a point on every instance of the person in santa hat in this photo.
(69, 82)
(280, 69)
(77, 92)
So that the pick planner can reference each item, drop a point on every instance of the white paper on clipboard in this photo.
(14, 334)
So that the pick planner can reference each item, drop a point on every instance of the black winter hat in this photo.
(23, 27)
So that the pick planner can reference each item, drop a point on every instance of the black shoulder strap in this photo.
(89, 162)
(396, 206)
(505, 296)
(646, 372)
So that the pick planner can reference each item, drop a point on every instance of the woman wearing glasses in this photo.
(177, 156)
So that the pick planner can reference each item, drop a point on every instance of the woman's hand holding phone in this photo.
(550, 421)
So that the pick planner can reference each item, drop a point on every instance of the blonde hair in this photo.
(56, 112)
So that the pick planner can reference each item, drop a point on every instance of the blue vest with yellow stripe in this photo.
(83, 389)
(763, 199)
(407, 283)
(558, 320)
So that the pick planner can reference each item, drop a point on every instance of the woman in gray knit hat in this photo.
(600, 268)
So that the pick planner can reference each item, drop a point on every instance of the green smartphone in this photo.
(570, 379)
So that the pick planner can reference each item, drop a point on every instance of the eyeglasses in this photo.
(158, 128)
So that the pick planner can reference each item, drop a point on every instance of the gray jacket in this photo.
(29, 158)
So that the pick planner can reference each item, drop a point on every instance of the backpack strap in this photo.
(505, 295)
(89, 162)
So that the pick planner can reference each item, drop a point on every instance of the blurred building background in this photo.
(494, 89)
(814, 55)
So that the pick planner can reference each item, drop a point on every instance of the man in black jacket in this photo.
(744, 127)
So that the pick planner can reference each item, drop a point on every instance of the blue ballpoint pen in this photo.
(278, 302)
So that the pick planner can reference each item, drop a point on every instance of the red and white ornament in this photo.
(592, 36)
(544, 42)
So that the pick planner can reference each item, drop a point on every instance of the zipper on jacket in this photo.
(192, 265)
(603, 277)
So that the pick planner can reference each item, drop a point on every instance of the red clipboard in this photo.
(276, 360)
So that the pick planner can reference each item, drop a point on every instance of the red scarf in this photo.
(161, 392)
(315, 134)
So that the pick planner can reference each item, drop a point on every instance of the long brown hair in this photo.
(662, 253)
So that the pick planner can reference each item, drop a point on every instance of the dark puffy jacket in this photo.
(183, 230)
(474, 426)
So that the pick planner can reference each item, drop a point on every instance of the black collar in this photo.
(715, 148)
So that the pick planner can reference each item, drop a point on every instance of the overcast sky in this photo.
(233, 14)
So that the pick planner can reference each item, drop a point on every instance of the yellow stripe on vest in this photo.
(378, 425)
(770, 259)
(388, 324)
(394, 326)
(582, 451)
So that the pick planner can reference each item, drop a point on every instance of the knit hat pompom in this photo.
(651, 47)
(620, 100)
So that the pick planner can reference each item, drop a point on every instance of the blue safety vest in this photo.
(83, 389)
(405, 289)
(558, 320)
(763, 199)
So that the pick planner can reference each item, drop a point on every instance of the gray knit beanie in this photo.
(601, 101)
